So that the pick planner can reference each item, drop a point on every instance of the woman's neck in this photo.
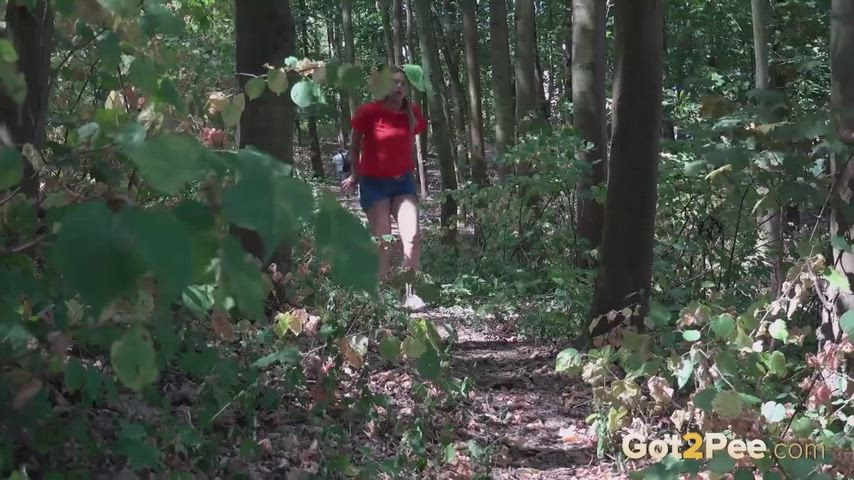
(393, 104)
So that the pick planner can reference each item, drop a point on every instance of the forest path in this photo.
(521, 420)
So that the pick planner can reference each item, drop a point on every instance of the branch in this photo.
(23, 246)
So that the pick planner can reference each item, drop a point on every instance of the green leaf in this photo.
(721, 463)
(291, 62)
(381, 83)
(350, 77)
(131, 443)
(415, 75)
(659, 315)
(134, 359)
(846, 321)
(390, 348)
(233, 110)
(255, 87)
(169, 161)
(159, 19)
(413, 348)
(840, 243)
(75, 375)
(130, 136)
(277, 81)
(287, 356)
(167, 92)
(691, 335)
(305, 93)
(8, 53)
(723, 326)
(122, 8)
(87, 240)
(685, 372)
(203, 236)
(164, 245)
(837, 280)
(567, 359)
(344, 242)
(777, 364)
(728, 404)
(109, 51)
(11, 168)
(272, 205)
(703, 399)
(773, 412)
(143, 74)
(428, 365)
(241, 278)
(778, 330)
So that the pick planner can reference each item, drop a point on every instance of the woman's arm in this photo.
(355, 154)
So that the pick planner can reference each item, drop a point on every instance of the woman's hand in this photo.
(349, 184)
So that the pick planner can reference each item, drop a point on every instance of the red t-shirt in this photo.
(387, 144)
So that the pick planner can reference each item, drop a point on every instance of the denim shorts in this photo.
(374, 189)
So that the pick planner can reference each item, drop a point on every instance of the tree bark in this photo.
(265, 34)
(457, 109)
(502, 83)
(439, 125)
(314, 140)
(526, 54)
(342, 111)
(31, 32)
(842, 107)
(526, 73)
(383, 6)
(349, 48)
(397, 30)
(770, 221)
(588, 100)
(478, 165)
(627, 243)
(421, 142)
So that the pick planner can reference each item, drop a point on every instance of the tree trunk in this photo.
(265, 34)
(439, 125)
(567, 51)
(842, 106)
(383, 6)
(397, 30)
(421, 147)
(502, 83)
(588, 100)
(457, 110)
(349, 49)
(31, 32)
(314, 140)
(770, 221)
(478, 166)
(526, 72)
(628, 237)
(341, 109)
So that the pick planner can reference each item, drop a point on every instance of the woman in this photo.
(382, 166)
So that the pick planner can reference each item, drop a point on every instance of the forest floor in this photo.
(524, 420)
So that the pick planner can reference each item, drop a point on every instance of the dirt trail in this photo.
(531, 419)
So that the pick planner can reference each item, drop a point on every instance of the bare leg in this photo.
(379, 221)
(405, 209)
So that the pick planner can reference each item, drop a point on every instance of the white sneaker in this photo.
(413, 302)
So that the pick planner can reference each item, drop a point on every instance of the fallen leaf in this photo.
(660, 389)
(266, 446)
(222, 326)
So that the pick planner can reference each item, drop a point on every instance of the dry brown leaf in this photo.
(660, 389)
(352, 357)
(266, 446)
(222, 325)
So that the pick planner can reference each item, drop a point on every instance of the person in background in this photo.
(381, 153)
(342, 163)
